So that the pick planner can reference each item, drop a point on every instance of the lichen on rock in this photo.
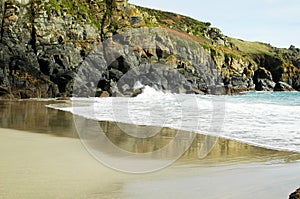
(43, 44)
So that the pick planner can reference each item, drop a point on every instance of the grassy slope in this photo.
(249, 48)
(78, 9)
(284, 64)
(183, 24)
(197, 29)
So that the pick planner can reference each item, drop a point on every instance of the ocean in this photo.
(265, 119)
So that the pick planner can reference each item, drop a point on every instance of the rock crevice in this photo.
(44, 43)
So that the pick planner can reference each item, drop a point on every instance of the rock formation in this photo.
(295, 195)
(44, 45)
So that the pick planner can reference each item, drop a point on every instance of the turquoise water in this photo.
(279, 98)
(266, 119)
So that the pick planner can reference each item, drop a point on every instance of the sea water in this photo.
(266, 119)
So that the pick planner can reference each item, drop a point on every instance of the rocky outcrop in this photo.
(281, 86)
(295, 195)
(237, 73)
(44, 44)
(263, 80)
(160, 59)
(238, 60)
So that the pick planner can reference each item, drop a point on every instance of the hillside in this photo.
(47, 47)
(264, 64)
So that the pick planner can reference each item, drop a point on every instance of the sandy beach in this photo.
(42, 157)
(43, 166)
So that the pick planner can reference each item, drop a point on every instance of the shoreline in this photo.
(62, 124)
(65, 124)
(251, 143)
(32, 167)
(42, 159)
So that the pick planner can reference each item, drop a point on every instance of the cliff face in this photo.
(45, 44)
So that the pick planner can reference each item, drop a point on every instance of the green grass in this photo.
(252, 48)
(77, 9)
(177, 22)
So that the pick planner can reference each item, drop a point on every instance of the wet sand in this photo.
(43, 166)
(42, 157)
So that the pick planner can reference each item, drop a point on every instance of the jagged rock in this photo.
(238, 82)
(216, 35)
(282, 86)
(295, 195)
(137, 92)
(265, 85)
(263, 80)
(5, 93)
(42, 44)
(47, 49)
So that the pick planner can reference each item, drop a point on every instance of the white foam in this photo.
(268, 125)
(149, 92)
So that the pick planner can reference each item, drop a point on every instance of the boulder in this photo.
(263, 80)
(295, 195)
(265, 85)
(282, 86)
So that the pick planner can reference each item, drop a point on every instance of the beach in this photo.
(41, 156)
(108, 99)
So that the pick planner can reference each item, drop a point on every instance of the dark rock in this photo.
(115, 75)
(50, 51)
(41, 49)
(4, 91)
(262, 73)
(263, 80)
(281, 86)
(295, 195)
(296, 85)
(239, 82)
(63, 98)
(136, 20)
(137, 92)
(265, 85)
(272, 64)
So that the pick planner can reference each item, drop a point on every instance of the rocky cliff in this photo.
(92, 47)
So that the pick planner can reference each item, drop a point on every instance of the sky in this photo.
(276, 22)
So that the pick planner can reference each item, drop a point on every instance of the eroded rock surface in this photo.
(44, 44)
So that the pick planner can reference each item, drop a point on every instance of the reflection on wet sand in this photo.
(34, 116)
(40, 166)
(223, 150)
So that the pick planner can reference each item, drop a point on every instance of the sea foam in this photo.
(265, 119)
